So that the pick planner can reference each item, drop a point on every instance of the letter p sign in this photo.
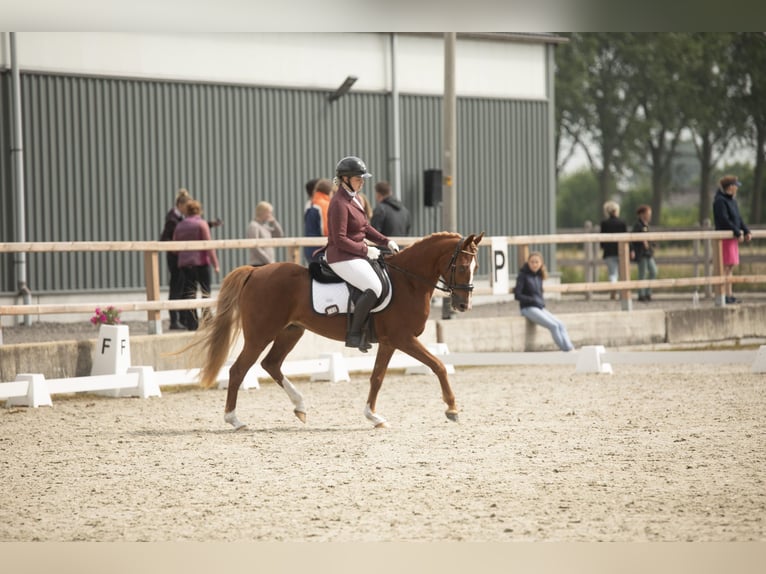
(499, 277)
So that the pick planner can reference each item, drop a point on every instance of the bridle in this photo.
(448, 286)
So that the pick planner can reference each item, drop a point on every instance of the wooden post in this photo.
(295, 254)
(707, 255)
(720, 289)
(152, 272)
(522, 254)
(589, 264)
(623, 270)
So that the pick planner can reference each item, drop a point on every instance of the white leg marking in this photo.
(295, 396)
(232, 419)
(371, 416)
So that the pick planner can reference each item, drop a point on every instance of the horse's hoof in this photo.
(383, 425)
(232, 419)
(452, 415)
(301, 416)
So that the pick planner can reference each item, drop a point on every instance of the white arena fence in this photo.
(33, 390)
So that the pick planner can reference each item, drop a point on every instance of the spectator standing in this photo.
(390, 217)
(529, 293)
(176, 283)
(194, 264)
(642, 252)
(315, 214)
(727, 217)
(263, 226)
(612, 224)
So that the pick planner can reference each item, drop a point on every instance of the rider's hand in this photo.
(392, 246)
(373, 253)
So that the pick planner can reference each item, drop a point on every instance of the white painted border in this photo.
(484, 68)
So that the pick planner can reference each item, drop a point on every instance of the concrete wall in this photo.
(514, 333)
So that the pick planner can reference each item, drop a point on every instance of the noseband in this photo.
(449, 286)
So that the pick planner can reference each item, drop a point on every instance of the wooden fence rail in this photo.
(521, 243)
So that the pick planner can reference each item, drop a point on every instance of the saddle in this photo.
(331, 295)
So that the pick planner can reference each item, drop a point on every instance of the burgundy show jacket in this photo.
(347, 228)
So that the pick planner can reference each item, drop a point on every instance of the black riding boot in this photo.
(362, 309)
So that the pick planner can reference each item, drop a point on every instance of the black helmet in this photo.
(350, 166)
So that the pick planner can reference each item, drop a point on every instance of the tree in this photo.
(715, 118)
(750, 70)
(597, 109)
(577, 200)
(656, 64)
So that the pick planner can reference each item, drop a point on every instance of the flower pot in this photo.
(112, 353)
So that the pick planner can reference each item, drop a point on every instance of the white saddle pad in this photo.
(332, 298)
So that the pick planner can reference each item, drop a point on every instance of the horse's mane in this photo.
(435, 235)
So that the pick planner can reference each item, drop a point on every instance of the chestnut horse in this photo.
(273, 303)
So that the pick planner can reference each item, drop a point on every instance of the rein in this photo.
(452, 266)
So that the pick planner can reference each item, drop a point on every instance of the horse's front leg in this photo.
(272, 364)
(415, 349)
(376, 380)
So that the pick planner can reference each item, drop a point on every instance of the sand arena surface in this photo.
(646, 454)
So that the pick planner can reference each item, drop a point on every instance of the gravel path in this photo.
(646, 454)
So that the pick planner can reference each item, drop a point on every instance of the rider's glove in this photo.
(392, 246)
(373, 253)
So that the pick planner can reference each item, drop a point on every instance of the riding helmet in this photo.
(351, 166)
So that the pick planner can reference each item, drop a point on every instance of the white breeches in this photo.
(359, 273)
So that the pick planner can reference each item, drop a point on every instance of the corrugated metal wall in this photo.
(7, 201)
(104, 158)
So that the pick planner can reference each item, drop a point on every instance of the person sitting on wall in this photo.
(529, 293)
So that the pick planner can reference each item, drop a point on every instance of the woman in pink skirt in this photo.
(727, 217)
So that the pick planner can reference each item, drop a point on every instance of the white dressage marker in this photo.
(336, 369)
(589, 360)
(759, 365)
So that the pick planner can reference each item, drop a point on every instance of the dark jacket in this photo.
(391, 218)
(612, 225)
(171, 220)
(347, 228)
(529, 288)
(638, 246)
(726, 214)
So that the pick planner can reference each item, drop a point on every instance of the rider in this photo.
(347, 253)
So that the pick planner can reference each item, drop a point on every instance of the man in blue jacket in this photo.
(727, 217)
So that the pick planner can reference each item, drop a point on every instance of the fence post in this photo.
(522, 254)
(589, 264)
(720, 289)
(708, 255)
(623, 253)
(152, 272)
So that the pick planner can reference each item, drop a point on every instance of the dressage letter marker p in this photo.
(500, 266)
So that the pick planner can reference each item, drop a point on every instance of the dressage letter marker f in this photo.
(105, 344)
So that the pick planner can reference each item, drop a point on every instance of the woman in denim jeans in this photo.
(529, 293)
(642, 252)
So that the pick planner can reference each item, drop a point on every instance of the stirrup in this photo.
(358, 341)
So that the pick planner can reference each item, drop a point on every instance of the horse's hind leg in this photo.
(237, 372)
(272, 364)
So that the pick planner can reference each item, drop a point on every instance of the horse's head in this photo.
(462, 267)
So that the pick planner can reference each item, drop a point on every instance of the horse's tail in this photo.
(218, 333)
